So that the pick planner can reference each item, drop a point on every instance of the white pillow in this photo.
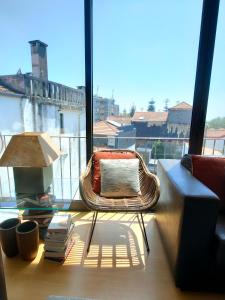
(119, 178)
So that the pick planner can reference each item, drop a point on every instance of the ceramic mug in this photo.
(27, 235)
(8, 236)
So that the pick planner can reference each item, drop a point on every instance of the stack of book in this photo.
(41, 209)
(59, 238)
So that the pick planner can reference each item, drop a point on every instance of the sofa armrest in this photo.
(187, 214)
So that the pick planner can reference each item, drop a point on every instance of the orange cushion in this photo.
(96, 178)
(211, 172)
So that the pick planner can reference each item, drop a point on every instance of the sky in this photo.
(143, 49)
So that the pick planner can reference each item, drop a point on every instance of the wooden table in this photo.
(3, 293)
(19, 202)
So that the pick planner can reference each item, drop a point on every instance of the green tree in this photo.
(166, 150)
(151, 105)
(166, 105)
(132, 110)
(124, 112)
(157, 150)
(218, 122)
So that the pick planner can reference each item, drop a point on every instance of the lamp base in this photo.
(32, 180)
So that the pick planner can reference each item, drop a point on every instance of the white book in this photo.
(60, 223)
(62, 254)
(59, 237)
(58, 243)
(55, 249)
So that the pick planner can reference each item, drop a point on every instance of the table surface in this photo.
(59, 197)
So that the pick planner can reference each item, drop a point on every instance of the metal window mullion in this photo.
(88, 23)
(207, 38)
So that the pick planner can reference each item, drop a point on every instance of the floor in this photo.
(117, 266)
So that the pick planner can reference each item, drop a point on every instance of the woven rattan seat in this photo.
(149, 185)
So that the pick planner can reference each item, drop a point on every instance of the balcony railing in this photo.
(67, 169)
(156, 148)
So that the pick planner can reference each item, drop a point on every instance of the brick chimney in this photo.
(39, 59)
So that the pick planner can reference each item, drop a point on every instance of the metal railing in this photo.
(67, 169)
(154, 148)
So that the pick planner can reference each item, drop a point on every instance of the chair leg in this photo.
(142, 226)
(92, 229)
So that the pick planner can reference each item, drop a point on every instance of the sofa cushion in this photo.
(96, 178)
(211, 172)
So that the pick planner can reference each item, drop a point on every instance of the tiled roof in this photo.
(150, 116)
(105, 128)
(181, 105)
(215, 133)
(120, 120)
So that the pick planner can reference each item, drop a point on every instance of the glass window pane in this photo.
(214, 143)
(42, 82)
(145, 56)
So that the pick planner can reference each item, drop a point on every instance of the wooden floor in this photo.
(117, 266)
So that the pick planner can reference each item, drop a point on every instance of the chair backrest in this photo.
(116, 151)
(107, 154)
(135, 153)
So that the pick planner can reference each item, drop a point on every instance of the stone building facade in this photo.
(110, 134)
(150, 124)
(47, 105)
(179, 120)
(174, 123)
(103, 108)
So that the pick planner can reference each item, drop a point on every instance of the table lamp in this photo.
(31, 155)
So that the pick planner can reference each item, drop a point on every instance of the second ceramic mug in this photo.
(27, 235)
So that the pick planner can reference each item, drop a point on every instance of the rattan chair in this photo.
(149, 184)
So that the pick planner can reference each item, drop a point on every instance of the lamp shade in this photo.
(30, 149)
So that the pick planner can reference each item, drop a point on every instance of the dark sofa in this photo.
(191, 227)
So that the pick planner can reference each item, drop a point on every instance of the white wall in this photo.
(50, 119)
(19, 114)
(71, 122)
(28, 118)
(10, 115)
